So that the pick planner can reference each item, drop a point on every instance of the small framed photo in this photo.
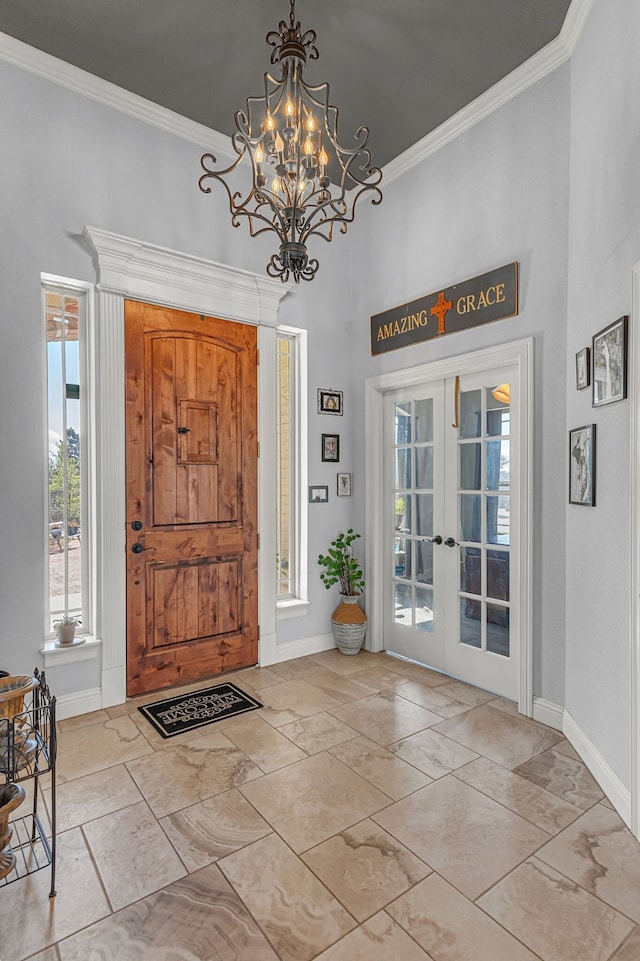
(344, 485)
(609, 363)
(331, 447)
(583, 368)
(319, 495)
(582, 466)
(329, 401)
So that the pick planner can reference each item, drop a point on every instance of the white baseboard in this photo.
(309, 645)
(81, 702)
(547, 713)
(618, 794)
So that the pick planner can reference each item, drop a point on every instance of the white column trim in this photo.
(131, 268)
(634, 614)
(519, 352)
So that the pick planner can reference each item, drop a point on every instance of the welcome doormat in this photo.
(174, 715)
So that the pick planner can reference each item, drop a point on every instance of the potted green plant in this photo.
(65, 628)
(341, 566)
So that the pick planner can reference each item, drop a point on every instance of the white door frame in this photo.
(518, 352)
(131, 268)
(634, 400)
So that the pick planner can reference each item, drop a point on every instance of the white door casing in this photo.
(518, 357)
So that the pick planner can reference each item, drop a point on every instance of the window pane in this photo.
(402, 557)
(498, 411)
(403, 512)
(284, 480)
(470, 624)
(424, 419)
(470, 413)
(498, 575)
(470, 517)
(424, 468)
(470, 570)
(403, 422)
(403, 468)
(403, 604)
(424, 562)
(498, 465)
(423, 523)
(64, 522)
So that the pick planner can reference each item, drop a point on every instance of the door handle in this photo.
(434, 540)
(139, 548)
(450, 542)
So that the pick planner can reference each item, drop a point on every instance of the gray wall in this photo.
(604, 247)
(497, 194)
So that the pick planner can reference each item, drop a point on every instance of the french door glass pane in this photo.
(403, 423)
(402, 557)
(424, 468)
(498, 575)
(402, 598)
(470, 623)
(470, 467)
(424, 562)
(424, 609)
(424, 420)
(403, 468)
(498, 465)
(424, 515)
(470, 413)
(470, 570)
(498, 629)
(498, 519)
(470, 517)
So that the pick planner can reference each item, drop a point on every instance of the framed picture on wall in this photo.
(319, 494)
(583, 368)
(329, 401)
(344, 485)
(331, 447)
(609, 363)
(582, 466)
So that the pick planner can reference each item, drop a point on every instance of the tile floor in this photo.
(370, 811)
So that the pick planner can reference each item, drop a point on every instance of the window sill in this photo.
(295, 607)
(57, 656)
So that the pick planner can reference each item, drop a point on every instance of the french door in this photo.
(452, 507)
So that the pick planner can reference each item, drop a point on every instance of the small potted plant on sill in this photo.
(65, 628)
(348, 621)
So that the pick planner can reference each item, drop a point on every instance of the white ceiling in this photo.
(401, 68)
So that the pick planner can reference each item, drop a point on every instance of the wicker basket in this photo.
(13, 690)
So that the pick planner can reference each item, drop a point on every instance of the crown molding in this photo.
(542, 63)
(80, 81)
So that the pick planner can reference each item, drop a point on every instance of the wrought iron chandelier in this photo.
(304, 181)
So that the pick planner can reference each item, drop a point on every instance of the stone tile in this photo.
(333, 660)
(385, 717)
(380, 767)
(555, 917)
(472, 696)
(432, 753)
(630, 950)
(132, 854)
(563, 776)
(380, 678)
(265, 745)
(51, 954)
(415, 672)
(379, 939)
(86, 750)
(466, 837)
(565, 747)
(310, 801)
(93, 796)
(199, 918)
(600, 853)
(296, 667)
(318, 732)
(297, 914)
(365, 868)
(257, 678)
(432, 698)
(182, 775)
(340, 686)
(131, 705)
(291, 700)
(210, 830)
(509, 707)
(36, 921)
(509, 741)
(451, 928)
(546, 810)
(82, 720)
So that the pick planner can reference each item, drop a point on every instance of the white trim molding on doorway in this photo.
(131, 268)
(518, 356)
(634, 445)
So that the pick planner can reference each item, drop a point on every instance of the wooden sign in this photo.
(491, 296)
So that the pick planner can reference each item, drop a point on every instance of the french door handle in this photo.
(434, 540)
(450, 542)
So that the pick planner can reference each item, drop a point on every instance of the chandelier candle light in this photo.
(304, 181)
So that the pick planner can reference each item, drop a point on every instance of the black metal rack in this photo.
(28, 750)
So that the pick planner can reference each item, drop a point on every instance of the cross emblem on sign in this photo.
(440, 311)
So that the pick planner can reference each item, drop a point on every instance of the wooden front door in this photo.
(191, 474)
